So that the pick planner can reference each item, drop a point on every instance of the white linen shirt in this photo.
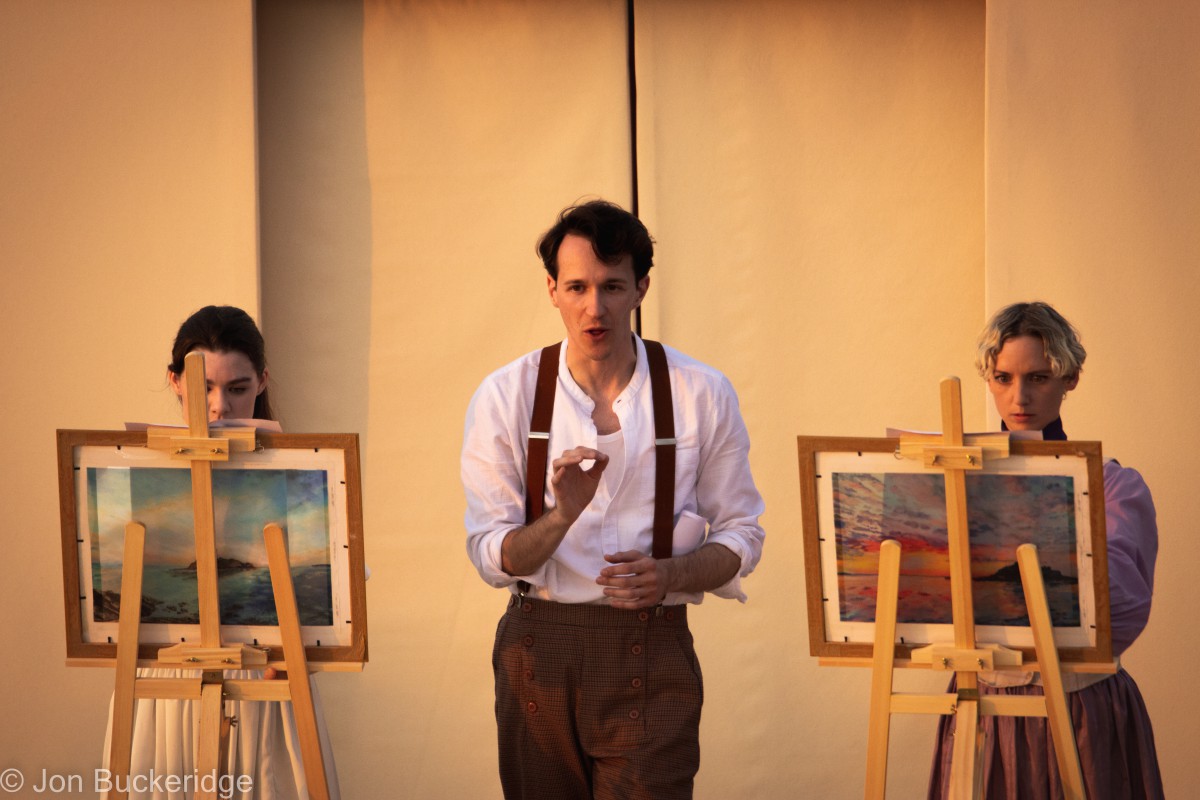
(712, 475)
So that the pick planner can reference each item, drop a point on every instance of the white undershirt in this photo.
(613, 446)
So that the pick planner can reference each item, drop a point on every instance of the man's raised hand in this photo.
(573, 486)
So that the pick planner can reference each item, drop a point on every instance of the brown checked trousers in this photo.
(596, 702)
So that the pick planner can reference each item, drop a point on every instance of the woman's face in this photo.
(233, 385)
(1027, 393)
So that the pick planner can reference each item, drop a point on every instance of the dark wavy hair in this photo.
(223, 329)
(613, 232)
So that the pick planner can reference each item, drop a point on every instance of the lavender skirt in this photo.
(1112, 732)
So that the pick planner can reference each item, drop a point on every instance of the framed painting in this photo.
(309, 484)
(856, 493)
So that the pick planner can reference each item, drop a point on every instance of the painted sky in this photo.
(243, 502)
(1003, 511)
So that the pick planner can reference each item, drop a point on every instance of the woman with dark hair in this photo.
(263, 744)
(1031, 358)
(235, 362)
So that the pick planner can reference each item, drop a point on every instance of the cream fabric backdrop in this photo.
(424, 147)
(813, 175)
(1093, 205)
(127, 200)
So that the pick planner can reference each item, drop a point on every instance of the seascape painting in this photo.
(244, 501)
(308, 484)
(857, 493)
(1004, 511)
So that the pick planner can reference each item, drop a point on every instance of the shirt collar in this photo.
(641, 374)
(1051, 433)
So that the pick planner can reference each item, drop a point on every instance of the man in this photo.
(598, 689)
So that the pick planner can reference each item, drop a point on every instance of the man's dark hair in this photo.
(612, 230)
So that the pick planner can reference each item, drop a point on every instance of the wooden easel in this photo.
(965, 657)
(210, 655)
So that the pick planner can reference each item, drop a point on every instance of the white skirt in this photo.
(263, 745)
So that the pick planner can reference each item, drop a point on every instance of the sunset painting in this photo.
(1003, 512)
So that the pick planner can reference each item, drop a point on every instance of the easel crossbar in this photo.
(989, 705)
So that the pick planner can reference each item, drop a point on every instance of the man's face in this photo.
(595, 299)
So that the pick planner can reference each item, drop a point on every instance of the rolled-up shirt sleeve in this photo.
(492, 471)
(725, 492)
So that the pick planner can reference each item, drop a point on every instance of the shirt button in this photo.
(528, 674)
(528, 640)
(632, 714)
(527, 607)
(643, 616)
(670, 615)
(636, 683)
(636, 649)
(531, 707)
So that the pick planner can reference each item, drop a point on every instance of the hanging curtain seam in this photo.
(631, 71)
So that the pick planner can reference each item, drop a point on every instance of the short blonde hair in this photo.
(1059, 338)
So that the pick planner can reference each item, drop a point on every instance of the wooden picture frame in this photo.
(310, 484)
(855, 492)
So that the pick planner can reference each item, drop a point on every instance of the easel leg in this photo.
(297, 663)
(886, 602)
(966, 770)
(209, 761)
(1058, 715)
(120, 752)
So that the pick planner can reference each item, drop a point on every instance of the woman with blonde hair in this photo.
(1031, 358)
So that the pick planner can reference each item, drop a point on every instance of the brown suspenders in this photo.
(537, 454)
(664, 442)
(664, 450)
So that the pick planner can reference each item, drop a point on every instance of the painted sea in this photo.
(244, 501)
(169, 595)
(1003, 511)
